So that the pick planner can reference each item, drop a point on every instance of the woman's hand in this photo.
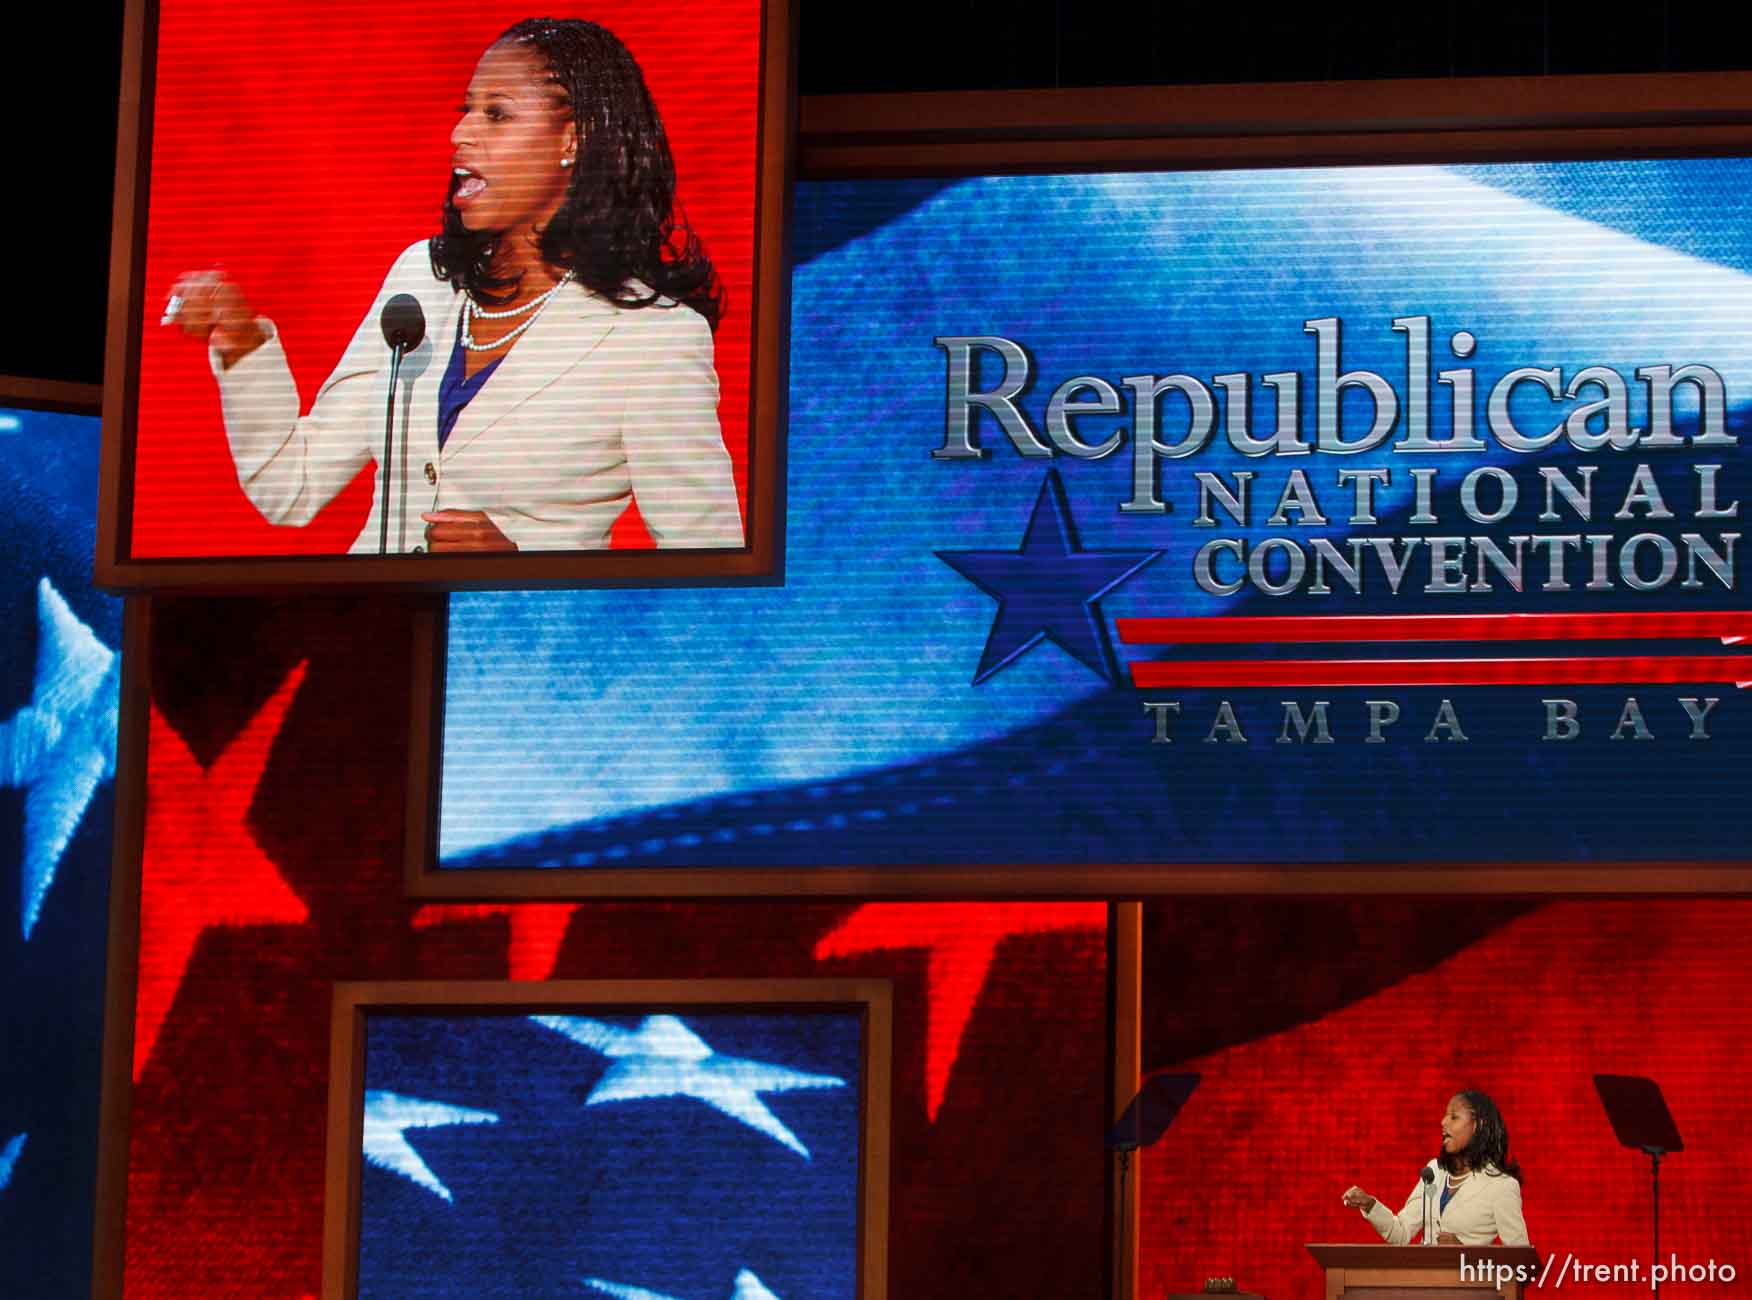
(1447, 1239)
(464, 530)
(211, 308)
(1358, 1199)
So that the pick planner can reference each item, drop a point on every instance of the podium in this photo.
(1358, 1272)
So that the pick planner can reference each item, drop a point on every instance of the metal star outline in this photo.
(1047, 588)
(664, 1058)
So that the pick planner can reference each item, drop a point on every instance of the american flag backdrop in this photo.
(59, 674)
(669, 1151)
(1326, 1032)
(276, 778)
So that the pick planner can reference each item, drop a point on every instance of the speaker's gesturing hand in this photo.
(464, 530)
(210, 307)
(1358, 1199)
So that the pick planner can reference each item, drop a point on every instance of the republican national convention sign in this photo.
(1299, 516)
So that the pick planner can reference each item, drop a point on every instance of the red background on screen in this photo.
(1340, 1075)
(302, 148)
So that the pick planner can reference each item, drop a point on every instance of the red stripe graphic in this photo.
(1443, 672)
(1433, 627)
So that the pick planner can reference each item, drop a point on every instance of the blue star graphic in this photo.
(388, 1117)
(9, 1159)
(664, 1058)
(1047, 588)
(62, 744)
(748, 1287)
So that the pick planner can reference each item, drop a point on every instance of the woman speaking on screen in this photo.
(567, 361)
(1472, 1187)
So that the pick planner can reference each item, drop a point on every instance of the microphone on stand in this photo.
(1429, 1181)
(404, 326)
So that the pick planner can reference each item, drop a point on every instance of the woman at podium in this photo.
(1472, 1188)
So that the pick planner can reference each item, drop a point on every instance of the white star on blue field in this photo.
(748, 1287)
(388, 1117)
(62, 744)
(9, 1159)
(664, 1058)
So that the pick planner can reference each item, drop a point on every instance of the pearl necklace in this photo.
(536, 305)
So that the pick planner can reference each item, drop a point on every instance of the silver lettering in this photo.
(1164, 711)
(1699, 715)
(1225, 722)
(1329, 389)
(1145, 449)
(1446, 720)
(958, 439)
(1560, 720)
(1632, 717)
(1303, 724)
(1061, 408)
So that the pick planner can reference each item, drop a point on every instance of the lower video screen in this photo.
(697, 1153)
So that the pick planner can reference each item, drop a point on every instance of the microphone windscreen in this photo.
(1429, 1175)
(404, 324)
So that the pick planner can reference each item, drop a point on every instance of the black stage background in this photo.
(62, 70)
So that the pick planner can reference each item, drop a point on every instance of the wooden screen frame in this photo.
(758, 560)
(1164, 128)
(353, 1001)
(121, 976)
(22, 393)
(1283, 124)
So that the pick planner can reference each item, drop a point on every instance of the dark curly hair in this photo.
(1490, 1140)
(617, 224)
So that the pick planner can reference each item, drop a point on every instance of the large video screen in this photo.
(1327, 515)
(601, 1138)
(647, 1220)
(483, 290)
(60, 678)
(1333, 1036)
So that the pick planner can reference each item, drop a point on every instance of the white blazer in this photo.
(594, 405)
(1483, 1208)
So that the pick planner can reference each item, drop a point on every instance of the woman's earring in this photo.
(565, 162)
